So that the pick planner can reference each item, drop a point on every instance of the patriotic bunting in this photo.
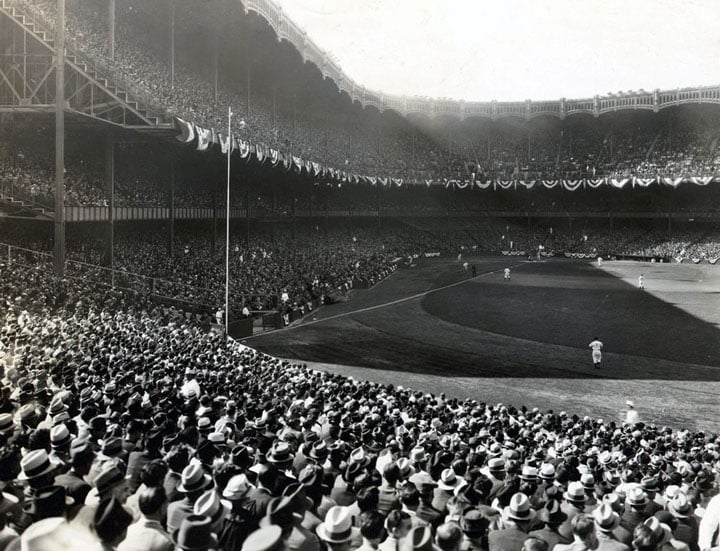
(187, 134)
(204, 139)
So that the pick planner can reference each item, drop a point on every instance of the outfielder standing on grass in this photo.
(641, 282)
(506, 273)
(596, 346)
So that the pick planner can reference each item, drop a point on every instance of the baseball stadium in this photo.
(249, 303)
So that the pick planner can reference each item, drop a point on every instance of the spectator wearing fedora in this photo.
(47, 503)
(81, 458)
(573, 505)
(111, 522)
(474, 527)
(279, 460)
(659, 535)
(138, 458)
(446, 486)
(195, 534)
(552, 517)
(264, 539)
(60, 440)
(109, 482)
(237, 524)
(426, 486)
(193, 482)
(37, 470)
(338, 533)
(312, 489)
(650, 486)
(687, 529)
(301, 537)
(517, 518)
(177, 459)
(664, 517)
(584, 535)
(148, 534)
(606, 521)
(496, 474)
(635, 506)
(259, 497)
(281, 513)
(588, 483)
(8, 536)
(210, 505)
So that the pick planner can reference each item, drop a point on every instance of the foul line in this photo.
(377, 306)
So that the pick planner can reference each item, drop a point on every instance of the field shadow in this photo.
(537, 325)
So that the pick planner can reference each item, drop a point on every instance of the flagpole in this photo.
(227, 233)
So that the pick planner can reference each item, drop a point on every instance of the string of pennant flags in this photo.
(208, 140)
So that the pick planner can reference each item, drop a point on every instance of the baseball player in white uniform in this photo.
(641, 282)
(506, 273)
(596, 346)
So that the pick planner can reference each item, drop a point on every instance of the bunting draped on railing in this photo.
(206, 139)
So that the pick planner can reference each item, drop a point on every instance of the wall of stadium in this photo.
(288, 30)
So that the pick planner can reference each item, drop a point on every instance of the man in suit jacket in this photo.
(635, 502)
(584, 536)
(552, 516)
(606, 521)
(517, 519)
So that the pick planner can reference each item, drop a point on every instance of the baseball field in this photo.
(433, 327)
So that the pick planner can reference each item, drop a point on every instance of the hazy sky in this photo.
(517, 49)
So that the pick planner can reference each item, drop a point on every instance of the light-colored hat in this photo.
(237, 488)
(575, 493)
(661, 532)
(209, 505)
(529, 473)
(268, 538)
(337, 527)
(680, 506)
(60, 436)
(519, 508)
(547, 471)
(193, 478)
(605, 518)
(636, 497)
(448, 480)
(36, 463)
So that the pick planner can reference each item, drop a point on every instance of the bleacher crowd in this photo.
(125, 426)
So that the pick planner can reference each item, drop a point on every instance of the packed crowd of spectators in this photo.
(124, 425)
(640, 145)
(281, 272)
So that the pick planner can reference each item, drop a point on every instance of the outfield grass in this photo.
(525, 341)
